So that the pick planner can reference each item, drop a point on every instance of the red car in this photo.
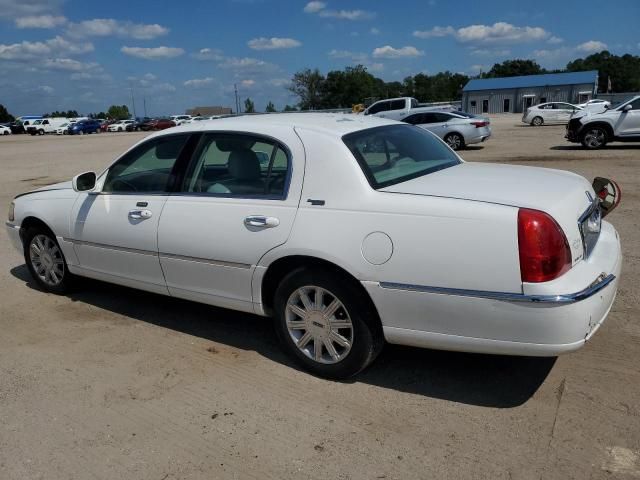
(157, 124)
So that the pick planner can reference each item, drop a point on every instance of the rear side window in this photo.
(379, 107)
(396, 153)
(397, 105)
(238, 165)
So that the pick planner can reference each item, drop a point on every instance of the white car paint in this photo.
(120, 126)
(437, 255)
(550, 112)
(5, 130)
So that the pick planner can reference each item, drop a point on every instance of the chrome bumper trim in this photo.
(595, 287)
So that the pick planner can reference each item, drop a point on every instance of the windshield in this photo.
(396, 153)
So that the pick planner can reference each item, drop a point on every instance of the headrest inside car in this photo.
(169, 149)
(230, 144)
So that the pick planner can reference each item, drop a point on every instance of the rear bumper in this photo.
(532, 324)
(480, 135)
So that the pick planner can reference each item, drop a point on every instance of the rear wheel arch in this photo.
(280, 268)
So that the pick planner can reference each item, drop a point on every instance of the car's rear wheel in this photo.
(45, 261)
(326, 323)
(594, 138)
(455, 141)
(537, 121)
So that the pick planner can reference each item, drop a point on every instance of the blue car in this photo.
(84, 126)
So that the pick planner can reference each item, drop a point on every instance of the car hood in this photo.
(561, 194)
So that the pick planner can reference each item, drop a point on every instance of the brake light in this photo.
(480, 124)
(543, 247)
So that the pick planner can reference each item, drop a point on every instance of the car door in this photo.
(564, 112)
(629, 120)
(430, 121)
(238, 200)
(115, 230)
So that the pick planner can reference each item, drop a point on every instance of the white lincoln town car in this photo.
(350, 231)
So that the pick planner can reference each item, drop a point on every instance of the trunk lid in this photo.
(563, 195)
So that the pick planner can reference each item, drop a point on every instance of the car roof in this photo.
(337, 124)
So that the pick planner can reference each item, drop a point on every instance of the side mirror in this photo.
(627, 107)
(609, 194)
(84, 182)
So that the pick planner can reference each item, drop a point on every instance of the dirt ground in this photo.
(111, 382)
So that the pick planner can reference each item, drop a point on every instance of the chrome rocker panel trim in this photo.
(595, 287)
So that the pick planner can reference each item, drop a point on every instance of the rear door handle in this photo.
(140, 214)
(260, 221)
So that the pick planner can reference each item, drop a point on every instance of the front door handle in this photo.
(260, 221)
(140, 214)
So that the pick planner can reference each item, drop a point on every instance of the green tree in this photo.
(5, 116)
(249, 107)
(289, 108)
(624, 71)
(270, 107)
(513, 68)
(344, 88)
(307, 85)
(101, 115)
(119, 112)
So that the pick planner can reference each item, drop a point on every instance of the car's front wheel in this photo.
(594, 138)
(326, 323)
(455, 141)
(45, 261)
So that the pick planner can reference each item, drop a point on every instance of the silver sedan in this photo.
(550, 112)
(458, 129)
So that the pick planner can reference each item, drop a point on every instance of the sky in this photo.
(87, 55)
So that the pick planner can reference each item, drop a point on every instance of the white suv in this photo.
(594, 129)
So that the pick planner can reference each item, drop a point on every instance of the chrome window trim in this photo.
(600, 283)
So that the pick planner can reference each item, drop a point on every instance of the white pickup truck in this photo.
(399, 108)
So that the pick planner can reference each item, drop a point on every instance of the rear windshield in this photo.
(396, 153)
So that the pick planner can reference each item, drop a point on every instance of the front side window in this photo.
(396, 153)
(635, 105)
(379, 107)
(238, 165)
(147, 168)
(397, 105)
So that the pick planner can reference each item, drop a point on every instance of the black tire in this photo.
(537, 121)
(40, 132)
(593, 138)
(65, 281)
(365, 331)
(455, 141)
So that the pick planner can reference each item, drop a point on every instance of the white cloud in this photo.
(314, 7)
(247, 65)
(199, 82)
(152, 53)
(354, 56)
(555, 40)
(69, 65)
(374, 31)
(320, 8)
(495, 52)
(273, 43)
(347, 14)
(248, 83)
(375, 67)
(40, 21)
(208, 54)
(499, 32)
(389, 52)
(592, 46)
(434, 32)
(105, 27)
(25, 51)
(46, 89)
(15, 9)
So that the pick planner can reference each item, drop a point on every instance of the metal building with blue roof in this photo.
(516, 94)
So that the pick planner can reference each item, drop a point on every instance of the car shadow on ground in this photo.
(606, 147)
(471, 148)
(482, 380)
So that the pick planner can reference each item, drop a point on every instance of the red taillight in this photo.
(480, 124)
(544, 250)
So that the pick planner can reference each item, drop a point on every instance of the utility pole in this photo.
(235, 88)
(133, 102)
(144, 104)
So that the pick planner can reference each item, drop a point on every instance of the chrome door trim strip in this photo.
(110, 247)
(218, 263)
(600, 283)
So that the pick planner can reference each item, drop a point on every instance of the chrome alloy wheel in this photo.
(319, 324)
(595, 138)
(454, 141)
(46, 260)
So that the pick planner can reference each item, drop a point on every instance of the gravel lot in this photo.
(111, 382)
